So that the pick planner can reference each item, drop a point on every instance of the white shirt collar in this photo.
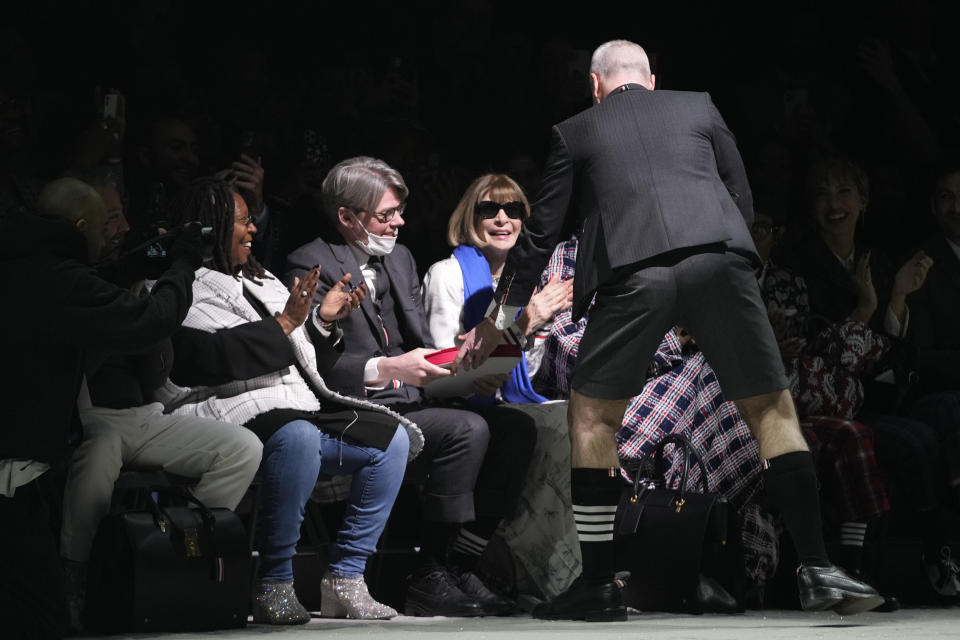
(953, 245)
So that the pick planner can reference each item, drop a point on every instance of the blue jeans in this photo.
(293, 457)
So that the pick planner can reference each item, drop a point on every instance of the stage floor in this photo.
(925, 623)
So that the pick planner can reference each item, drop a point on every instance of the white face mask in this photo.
(376, 245)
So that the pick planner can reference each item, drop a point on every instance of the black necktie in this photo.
(380, 276)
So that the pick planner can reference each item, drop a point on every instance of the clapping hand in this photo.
(341, 300)
(555, 296)
(298, 305)
(912, 274)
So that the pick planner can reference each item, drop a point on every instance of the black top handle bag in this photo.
(169, 568)
(681, 546)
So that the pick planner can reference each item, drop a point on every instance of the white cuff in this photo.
(893, 326)
(371, 372)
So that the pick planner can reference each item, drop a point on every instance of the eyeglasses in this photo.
(245, 221)
(386, 215)
(488, 209)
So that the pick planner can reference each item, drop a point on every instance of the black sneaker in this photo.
(438, 593)
(590, 600)
(493, 604)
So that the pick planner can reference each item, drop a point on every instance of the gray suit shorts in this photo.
(712, 294)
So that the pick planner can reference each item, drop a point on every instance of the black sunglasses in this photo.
(488, 209)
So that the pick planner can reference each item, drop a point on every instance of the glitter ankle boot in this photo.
(276, 603)
(348, 598)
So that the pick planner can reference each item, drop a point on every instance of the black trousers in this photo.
(473, 462)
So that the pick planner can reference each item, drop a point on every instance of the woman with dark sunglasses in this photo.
(484, 226)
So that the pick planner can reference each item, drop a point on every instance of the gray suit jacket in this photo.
(362, 335)
(645, 173)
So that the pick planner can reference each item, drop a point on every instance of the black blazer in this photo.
(646, 173)
(935, 319)
(362, 336)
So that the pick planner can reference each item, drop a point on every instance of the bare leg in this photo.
(772, 419)
(595, 488)
(594, 423)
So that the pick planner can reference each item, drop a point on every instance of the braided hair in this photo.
(209, 201)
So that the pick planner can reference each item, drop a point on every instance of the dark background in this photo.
(447, 90)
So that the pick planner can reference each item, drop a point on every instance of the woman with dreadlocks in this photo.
(250, 351)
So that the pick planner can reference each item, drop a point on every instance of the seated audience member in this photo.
(935, 324)
(167, 153)
(456, 292)
(251, 360)
(48, 260)
(682, 395)
(847, 282)
(121, 427)
(474, 461)
(935, 307)
(825, 385)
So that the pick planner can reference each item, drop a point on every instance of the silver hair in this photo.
(359, 184)
(620, 56)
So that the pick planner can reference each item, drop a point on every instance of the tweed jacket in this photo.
(219, 303)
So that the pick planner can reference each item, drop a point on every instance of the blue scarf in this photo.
(477, 294)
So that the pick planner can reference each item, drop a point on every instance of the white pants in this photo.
(224, 456)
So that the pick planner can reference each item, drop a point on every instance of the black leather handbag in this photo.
(681, 547)
(169, 568)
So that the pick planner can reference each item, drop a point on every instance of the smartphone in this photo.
(250, 144)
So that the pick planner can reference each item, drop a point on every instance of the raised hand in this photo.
(298, 305)
(912, 274)
(341, 300)
(555, 296)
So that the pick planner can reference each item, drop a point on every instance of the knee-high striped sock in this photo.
(852, 535)
(595, 494)
(470, 542)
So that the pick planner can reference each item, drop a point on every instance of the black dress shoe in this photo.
(889, 604)
(438, 593)
(590, 600)
(713, 598)
(492, 603)
(831, 587)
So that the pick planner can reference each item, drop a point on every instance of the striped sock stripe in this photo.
(594, 522)
(469, 544)
(852, 534)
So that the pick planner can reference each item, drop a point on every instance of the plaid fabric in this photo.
(687, 399)
(682, 395)
(560, 345)
(850, 481)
